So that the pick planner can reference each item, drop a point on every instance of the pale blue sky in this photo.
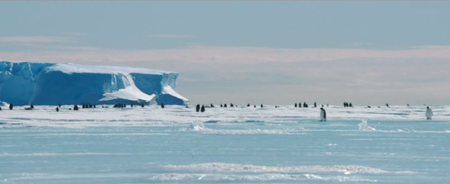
(249, 52)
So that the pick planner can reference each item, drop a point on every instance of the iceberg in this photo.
(23, 83)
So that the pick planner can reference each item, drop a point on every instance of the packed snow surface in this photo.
(24, 83)
(224, 145)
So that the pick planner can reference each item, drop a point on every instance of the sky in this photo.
(270, 52)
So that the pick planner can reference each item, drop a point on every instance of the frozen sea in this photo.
(225, 145)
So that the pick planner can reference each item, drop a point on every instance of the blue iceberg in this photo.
(23, 83)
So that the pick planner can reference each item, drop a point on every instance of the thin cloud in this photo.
(170, 36)
(34, 39)
(76, 34)
(225, 55)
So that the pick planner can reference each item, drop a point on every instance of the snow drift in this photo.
(24, 83)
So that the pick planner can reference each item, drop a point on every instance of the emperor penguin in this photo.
(203, 108)
(197, 108)
(428, 113)
(323, 114)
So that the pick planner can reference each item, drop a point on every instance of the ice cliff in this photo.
(23, 83)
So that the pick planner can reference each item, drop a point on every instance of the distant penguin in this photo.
(295, 105)
(350, 104)
(300, 105)
(254, 106)
(0, 108)
(75, 107)
(203, 108)
(197, 108)
(221, 105)
(315, 104)
(162, 105)
(29, 108)
(212, 105)
(225, 105)
(59, 105)
(231, 105)
(11, 106)
(142, 105)
(429, 113)
(305, 105)
(262, 105)
(323, 114)
(57, 109)
(131, 104)
(387, 105)
(83, 106)
(248, 105)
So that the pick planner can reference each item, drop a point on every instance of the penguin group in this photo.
(87, 106)
(348, 104)
(200, 109)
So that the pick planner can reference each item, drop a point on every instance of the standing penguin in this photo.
(57, 109)
(428, 113)
(315, 104)
(203, 108)
(295, 105)
(323, 114)
(197, 108)
(162, 105)
(11, 106)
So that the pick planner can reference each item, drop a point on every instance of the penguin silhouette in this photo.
(162, 105)
(11, 106)
(203, 108)
(197, 108)
(57, 109)
(295, 105)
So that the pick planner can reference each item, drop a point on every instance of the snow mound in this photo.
(24, 83)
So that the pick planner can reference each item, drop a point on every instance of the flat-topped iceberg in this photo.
(23, 83)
